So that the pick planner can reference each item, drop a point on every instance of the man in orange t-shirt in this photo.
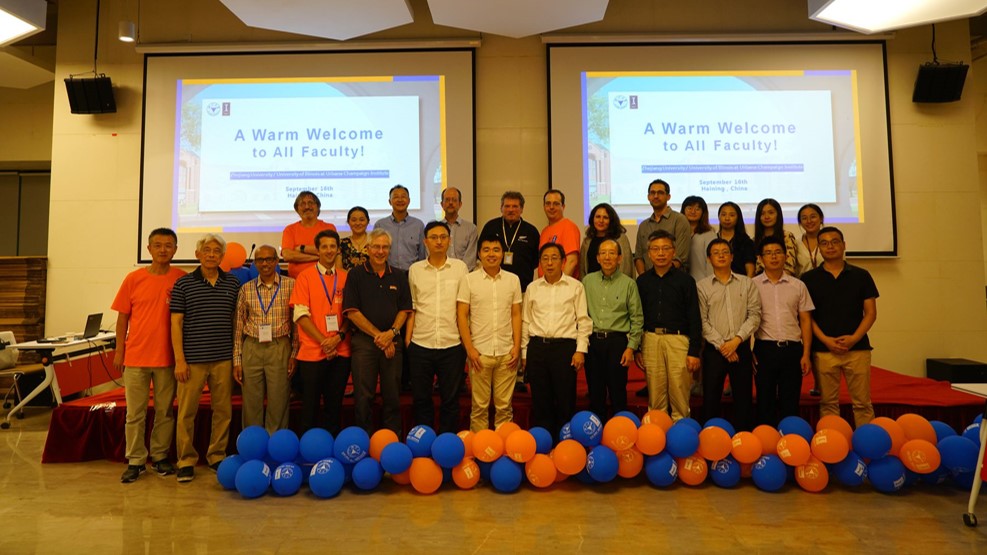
(561, 230)
(144, 354)
(324, 349)
(298, 239)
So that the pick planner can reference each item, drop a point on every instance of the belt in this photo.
(779, 344)
(666, 331)
(537, 339)
(606, 334)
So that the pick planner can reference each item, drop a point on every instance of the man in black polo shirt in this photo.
(672, 328)
(845, 297)
(202, 307)
(377, 301)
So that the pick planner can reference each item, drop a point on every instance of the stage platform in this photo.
(92, 428)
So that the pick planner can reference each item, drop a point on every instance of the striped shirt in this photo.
(207, 329)
(254, 298)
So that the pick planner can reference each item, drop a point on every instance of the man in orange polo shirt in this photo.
(324, 350)
(298, 238)
(561, 230)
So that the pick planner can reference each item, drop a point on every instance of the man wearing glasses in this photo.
(561, 230)
(666, 219)
(672, 328)
(433, 340)
(264, 347)
(845, 297)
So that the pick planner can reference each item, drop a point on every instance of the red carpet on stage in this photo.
(93, 427)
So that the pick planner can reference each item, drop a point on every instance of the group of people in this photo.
(413, 303)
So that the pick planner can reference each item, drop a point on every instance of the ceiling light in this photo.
(21, 18)
(874, 16)
(127, 31)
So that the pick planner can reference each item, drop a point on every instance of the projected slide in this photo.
(740, 136)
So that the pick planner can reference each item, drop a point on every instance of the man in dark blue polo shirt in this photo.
(672, 328)
(202, 307)
(845, 297)
(377, 301)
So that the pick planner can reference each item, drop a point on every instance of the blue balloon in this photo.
(585, 478)
(887, 474)
(725, 472)
(283, 446)
(851, 471)
(769, 473)
(448, 450)
(327, 478)
(959, 454)
(306, 470)
(316, 444)
(484, 470)
(681, 440)
(446, 475)
(565, 432)
(942, 429)
(911, 477)
(251, 444)
(972, 432)
(692, 423)
(367, 474)
(586, 428)
(978, 418)
(543, 440)
(721, 423)
(352, 445)
(348, 473)
(937, 476)
(964, 480)
(601, 464)
(661, 469)
(871, 441)
(253, 479)
(505, 475)
(396, 458)
(226, 473)
(634, 418)
(420, 440)
(287, 479)
(796, 425)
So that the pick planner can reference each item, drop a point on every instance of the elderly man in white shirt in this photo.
(555, 329)
(433, 342)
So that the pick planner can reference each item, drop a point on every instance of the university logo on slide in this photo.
(212, 108)
(620, 101)
(633, 102)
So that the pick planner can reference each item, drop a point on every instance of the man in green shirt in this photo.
(615, 307)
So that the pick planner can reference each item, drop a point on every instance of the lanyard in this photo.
(812, 253)
(326, 289)
(503, 226)
(261, 301)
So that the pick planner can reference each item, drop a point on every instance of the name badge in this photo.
(332, 323)
(265, 333)
(509, 258)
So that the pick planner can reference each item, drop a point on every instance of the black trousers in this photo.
(324, 381)
(779, 380)
(369, 364)
(448, 364)
(604, 374)
(715, 370)
(553, 382)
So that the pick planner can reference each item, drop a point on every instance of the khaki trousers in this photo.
(219, 376)
(492, 380)
(137, 385)
(665, 370)
(855, 366)
(265, 368)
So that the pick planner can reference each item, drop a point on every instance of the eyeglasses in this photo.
(266, 259)
(833, 243)
(661, 249)
(657, 193)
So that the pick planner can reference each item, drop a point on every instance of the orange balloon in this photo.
(426, 475)
(630, 462)
(813, 476)
(793, 450)
(894, 430)
(769, 437)
(520, 446)
(559, 476)
(917, 427)
(746, 447)
(506, 429)
(488, 446)
(235, 255)
(650, 439)
(466, 474)
(830, 446)
(838, 423)
(714, 443)
(569, 456)
(467, 437)
(658, 417)
(619, 433)
(541, 471)
(746, 469)
(920, 456)
(692, 470)
(404, 478)
(381, 439)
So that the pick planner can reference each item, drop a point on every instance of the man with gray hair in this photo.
(202, 307)
(264, 345)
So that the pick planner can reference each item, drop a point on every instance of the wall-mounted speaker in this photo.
(93, 95)
(939, 82)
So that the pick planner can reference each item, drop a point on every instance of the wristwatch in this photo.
(301, 248)
(396, 332)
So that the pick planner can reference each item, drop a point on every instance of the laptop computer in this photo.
(93, 321)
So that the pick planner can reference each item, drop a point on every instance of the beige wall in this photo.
(25, 127)
(932, 296)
